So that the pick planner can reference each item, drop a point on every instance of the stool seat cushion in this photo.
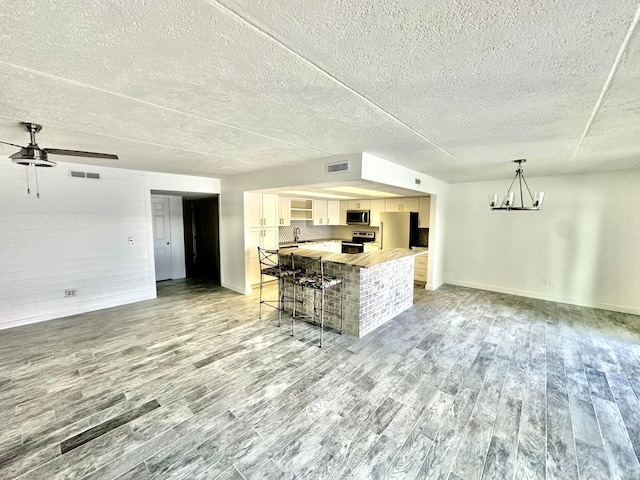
(314, 280)
(283, 271)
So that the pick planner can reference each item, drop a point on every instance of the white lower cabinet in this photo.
(263, 238)
(420, 268)
(371, 247)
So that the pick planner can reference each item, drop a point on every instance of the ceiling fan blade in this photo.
(12, 144)
(78, 153)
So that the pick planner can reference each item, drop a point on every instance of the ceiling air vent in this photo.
(337, 167)
(76, 174)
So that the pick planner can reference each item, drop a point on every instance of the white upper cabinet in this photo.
(284, 214)
(320, 212)
(424, 213)
(262, 210)
(408, 204)
(344, 206)
(270, 207)
(359, 205)
(377, 206)
(333, 212)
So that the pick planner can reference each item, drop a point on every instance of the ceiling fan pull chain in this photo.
(26, 170)
(37, 187)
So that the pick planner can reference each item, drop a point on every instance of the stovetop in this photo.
(361, 237)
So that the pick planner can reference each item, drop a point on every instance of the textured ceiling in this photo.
(451, 89)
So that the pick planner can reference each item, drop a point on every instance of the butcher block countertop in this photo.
(367, 259)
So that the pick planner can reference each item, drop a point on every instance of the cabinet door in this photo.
(333, 212)
(336, 247)
(270, 238)
(270, 210)
(420, 268)
(253, 209)
(344, 206)
(411, 204)
(255, 237)
(424, 214)
(359, 204)
(284, 214)
(319, 212)
(393, 205)
(371, 248)
(377, 206)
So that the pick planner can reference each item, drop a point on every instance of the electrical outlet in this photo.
(70, 292)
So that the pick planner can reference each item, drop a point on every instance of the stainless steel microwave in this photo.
(358, 217)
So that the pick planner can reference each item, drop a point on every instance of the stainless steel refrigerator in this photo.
(398, 229)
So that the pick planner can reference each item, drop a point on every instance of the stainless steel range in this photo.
(356, 244)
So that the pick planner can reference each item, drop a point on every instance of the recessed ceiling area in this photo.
(219, 88)
(360, 189)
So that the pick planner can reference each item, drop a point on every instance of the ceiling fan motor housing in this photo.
(32, 155)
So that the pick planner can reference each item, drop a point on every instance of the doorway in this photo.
(162, 253)
(201, 238)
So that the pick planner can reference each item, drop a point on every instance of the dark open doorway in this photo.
(201, 238)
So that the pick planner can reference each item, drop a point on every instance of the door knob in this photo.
(168, 243)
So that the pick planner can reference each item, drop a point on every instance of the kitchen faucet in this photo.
(296, 234)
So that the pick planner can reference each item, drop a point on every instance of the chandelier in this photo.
(509, 197)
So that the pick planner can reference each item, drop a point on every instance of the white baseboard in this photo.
(242, 290)
(109, 303)
(546, 296)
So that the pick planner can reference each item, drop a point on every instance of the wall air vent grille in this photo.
(337, 167)
(76, 174)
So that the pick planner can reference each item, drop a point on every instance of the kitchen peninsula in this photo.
(378, 285)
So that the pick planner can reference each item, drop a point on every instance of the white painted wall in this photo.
(234, 254)
(584, 240)
(379, 170)
(76, 236)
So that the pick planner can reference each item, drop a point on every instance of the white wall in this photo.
(378, 170)
(234, 255)
(76, 236)
(584, 241)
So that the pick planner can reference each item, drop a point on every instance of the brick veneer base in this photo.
(371, 296)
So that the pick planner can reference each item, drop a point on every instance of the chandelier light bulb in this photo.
(538, 199)
(493, 200)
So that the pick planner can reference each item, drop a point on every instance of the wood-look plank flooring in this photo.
(466, 384)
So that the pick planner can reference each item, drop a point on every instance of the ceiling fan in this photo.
(32, 154)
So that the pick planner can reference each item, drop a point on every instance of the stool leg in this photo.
(280, 298)
(260, 311)
(341, 311)
(321, 317)
(293, 310)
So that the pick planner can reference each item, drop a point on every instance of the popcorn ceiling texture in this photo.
(191, 87)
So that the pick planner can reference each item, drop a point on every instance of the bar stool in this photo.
(271, 266)
(311, 275)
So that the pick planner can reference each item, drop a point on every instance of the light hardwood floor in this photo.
(466, 385)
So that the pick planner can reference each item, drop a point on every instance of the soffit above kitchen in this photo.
(452, 90)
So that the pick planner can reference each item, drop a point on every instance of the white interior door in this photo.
(161, 237)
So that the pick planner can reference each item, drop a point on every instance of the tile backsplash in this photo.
(307, 232)
(339, 232)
